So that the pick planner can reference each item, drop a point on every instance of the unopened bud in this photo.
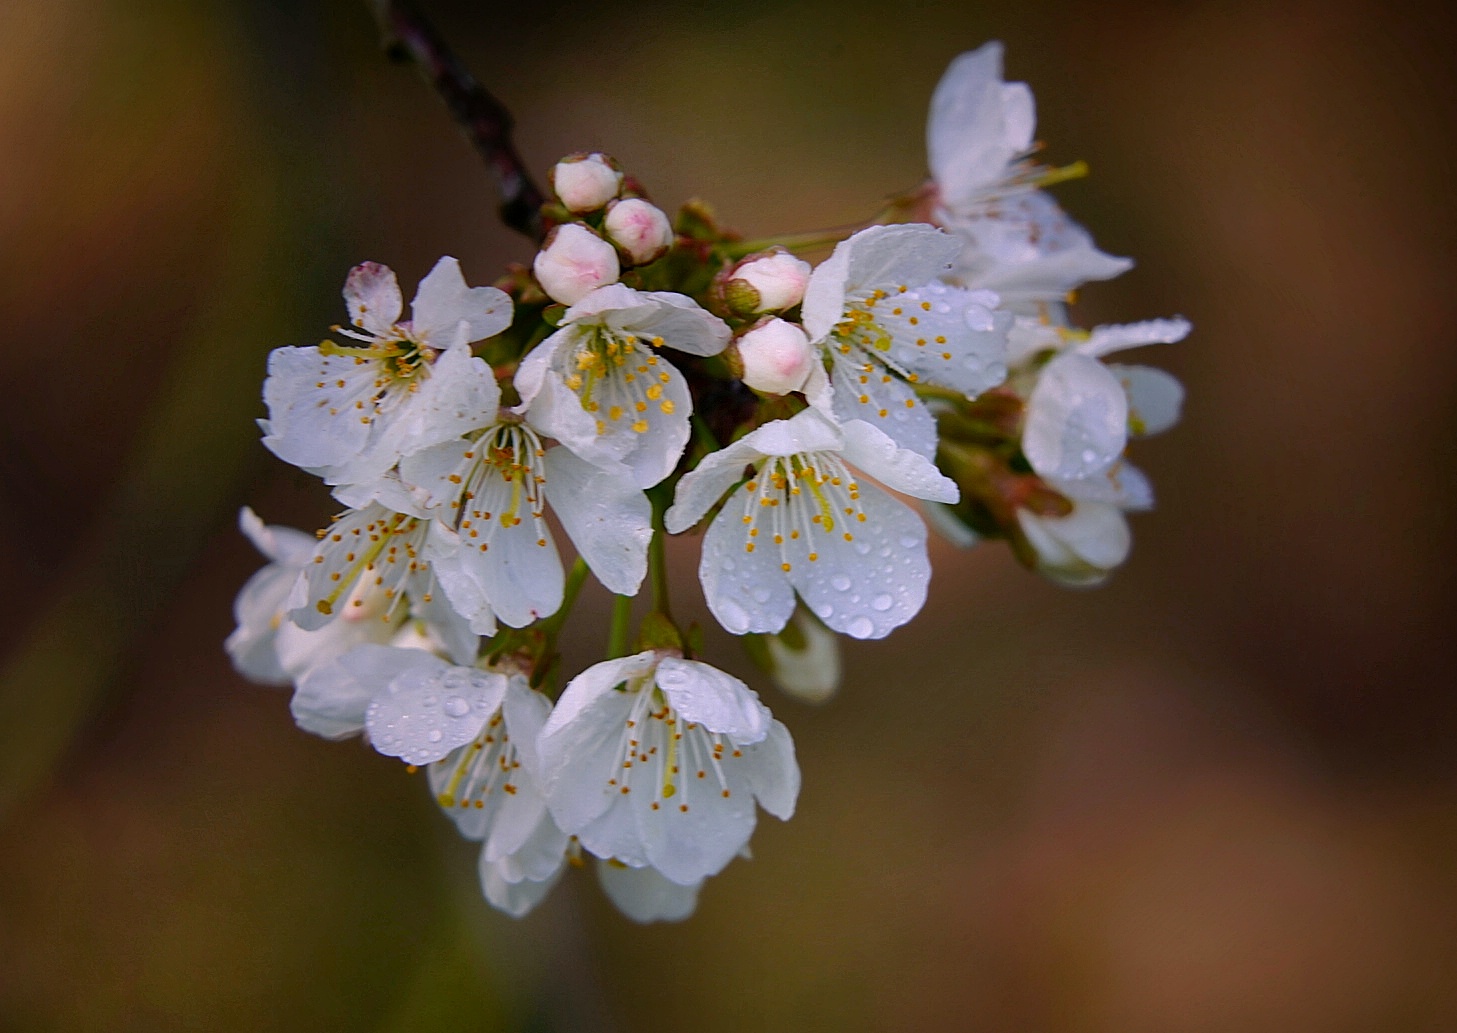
(573, 262)
(639, 229)
(585, 182)
(771, 281)
(776, 356)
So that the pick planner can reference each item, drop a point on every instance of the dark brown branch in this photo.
(407, 36)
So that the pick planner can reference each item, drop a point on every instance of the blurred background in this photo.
(1218, 794)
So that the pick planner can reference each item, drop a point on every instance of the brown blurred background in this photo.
(1218, 794)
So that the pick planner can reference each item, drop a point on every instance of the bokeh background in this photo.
(1218, 794)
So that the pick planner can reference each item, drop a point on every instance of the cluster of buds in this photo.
(649, 378)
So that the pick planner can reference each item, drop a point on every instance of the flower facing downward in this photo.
(1019, 242)
(599, 387)
(656, 760)
(804, 523)
(348, 413)
(885, 323)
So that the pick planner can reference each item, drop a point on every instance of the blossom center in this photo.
(619, 381)
(664, 755)
(791, 502)
(501, 485)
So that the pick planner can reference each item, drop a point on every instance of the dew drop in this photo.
(453, 681)
(840, 582)
(863, 548)
(728, 565)
(431, 700)
(762, 594)
(860, 627)
(909, 542)
(825, 612)
(882, 602)
(1089, 456)
(456, 706)
(435, 735)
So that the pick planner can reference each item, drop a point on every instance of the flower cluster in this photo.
(650, 377)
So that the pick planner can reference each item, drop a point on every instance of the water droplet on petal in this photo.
(882, 602)
(841, 582)
(728, 565)
(435, 735)
(860, 627)
(762, 594)
(863, 548)
(826, 611)
(431, 700)
(453, 681)
(908, 542)
(456, 706)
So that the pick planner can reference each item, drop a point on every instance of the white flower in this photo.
(585, 182)
(639, 229)
(260, 606)
(656, 760)
(877, 311)
(776, 355)
(597, 386)
(348, 413)
(492, 550)
(491, 788)
(1019, 242)
(804, 523)
(573, 262)
(1080, 412)
(369, 567)
(1081, 548)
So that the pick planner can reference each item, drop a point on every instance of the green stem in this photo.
(577, 577)
(621, 622)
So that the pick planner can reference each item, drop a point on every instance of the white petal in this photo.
(373, 296)
(1082, 547)
(978, 125)
(280, 544)
(682, 324)
(514, 898)
(700, 488)
(948, 525)
(1107, 339)
(258, 609)
(644, 895)
(910, 254)
(607, 518)
(871, 585)
(1077, 418)
(808, 670)
(581, 742)
(312, 427)
(747, 591)
(520, 574)
(427, 711)
(774, 772)
(910, 473)
(331, 699)
(1155, 398)
(718, 701)
(948, 336)
(443, 302)
(872, 395)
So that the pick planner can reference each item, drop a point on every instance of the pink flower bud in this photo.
(585, 182)
(776, 276)
(573, 262)
(640, 229)
(776, 356)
